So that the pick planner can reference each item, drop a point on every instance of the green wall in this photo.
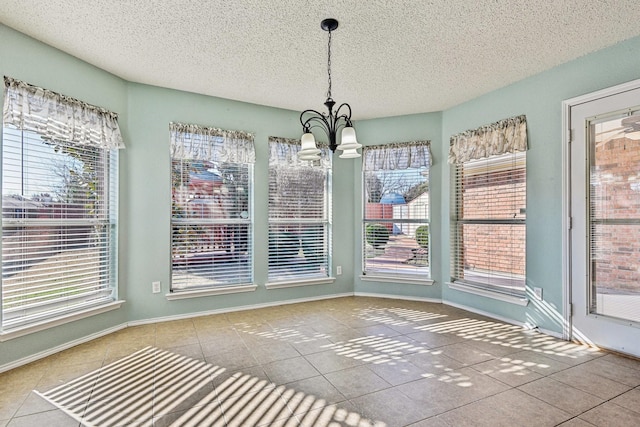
(415, 127)
(146, 199)
(145, 112)
(23, 58)
(539, 98)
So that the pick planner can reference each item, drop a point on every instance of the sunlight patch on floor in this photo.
(151, 384)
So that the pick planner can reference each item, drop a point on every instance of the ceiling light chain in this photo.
(329, 65)
(330, 123)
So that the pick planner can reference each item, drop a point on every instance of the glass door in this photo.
(605, 211)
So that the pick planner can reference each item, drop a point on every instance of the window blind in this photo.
(488, 229)
(614, 215)
(58, 227)
(396, 210)
(211, 214)
(299, 213)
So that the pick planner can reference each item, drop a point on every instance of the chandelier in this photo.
(330, 123)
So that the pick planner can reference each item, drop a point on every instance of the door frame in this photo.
(567, 324)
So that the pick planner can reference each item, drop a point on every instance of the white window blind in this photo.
(58, 227)
(614, 215)
(59, 205)
(489, 230)
(299, 213)
(396, 210)
(211, 215)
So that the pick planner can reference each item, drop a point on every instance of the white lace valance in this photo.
(506, 136)
(194, 142)
(399, 155)
(59, 117)
(284, 152)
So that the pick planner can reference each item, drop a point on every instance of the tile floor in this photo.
(342, 362)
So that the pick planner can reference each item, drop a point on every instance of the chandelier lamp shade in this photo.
(330, 123)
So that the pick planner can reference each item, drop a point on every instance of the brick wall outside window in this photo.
(615, 196)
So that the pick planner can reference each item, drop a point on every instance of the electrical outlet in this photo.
(155, 287)
(338, 270)
(538, 293)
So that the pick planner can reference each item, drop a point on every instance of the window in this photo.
(59, 199)
(211, 213)
(396, 210)
(614, 214)
(299, 213)
(489, 208)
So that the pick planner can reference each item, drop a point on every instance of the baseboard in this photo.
(402, 297)
(234, 309)
(506, 320)
(551, 333)
(65, 346)
(486, 314)
(61, 347)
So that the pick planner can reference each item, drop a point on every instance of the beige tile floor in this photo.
(342, 362)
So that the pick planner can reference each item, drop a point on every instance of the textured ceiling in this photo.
(389, 57)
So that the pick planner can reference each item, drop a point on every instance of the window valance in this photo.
(399, 155)
(284, 152)
(505, 136)
(195, 142)
(59, 117)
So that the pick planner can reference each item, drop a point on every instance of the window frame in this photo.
(107, 161)
(501, 163)
(209, 136)
(395, 275)
(289, 149)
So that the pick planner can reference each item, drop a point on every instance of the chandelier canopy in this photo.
(330, 123)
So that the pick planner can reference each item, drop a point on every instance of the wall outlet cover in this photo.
(538, 293)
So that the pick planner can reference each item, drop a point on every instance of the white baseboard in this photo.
(552, 333)
(485, 313)
(234, 309)
(402, 297)
(59, 348)
(67, 345)
(506, 320)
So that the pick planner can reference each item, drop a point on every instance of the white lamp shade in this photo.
(308, 156)
(348, 140)
(308, 143)
(348, 135)
(349, 153)
(309, 151)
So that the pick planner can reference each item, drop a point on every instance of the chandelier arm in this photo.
(322, 126)
(345, 116)
(317, 116)
(327, 123)
(314, 122)
(338, 127)
(344, 104)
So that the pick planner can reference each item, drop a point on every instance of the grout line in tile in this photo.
(315, 309)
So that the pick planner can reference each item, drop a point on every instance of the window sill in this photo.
(61, 320)
(512, 299)
(397, 279)
(296, 283)
(209, 292)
